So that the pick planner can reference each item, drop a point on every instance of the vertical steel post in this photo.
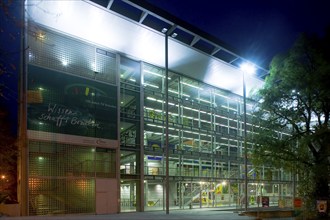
(167, 183)
(22, 120)
(245, 146)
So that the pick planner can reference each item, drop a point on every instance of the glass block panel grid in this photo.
(64, 160)
(55, 51)
(48, 196)
(60, 160)
(62, 177)
(105, 163)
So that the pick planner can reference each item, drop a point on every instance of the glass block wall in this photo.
(71, 119)
(61, 179)
(54, 51)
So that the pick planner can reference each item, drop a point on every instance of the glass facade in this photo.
(77, 90)
(206, 153)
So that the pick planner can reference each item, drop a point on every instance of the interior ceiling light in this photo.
(151, 85)
(193, 86)
(41, 35)
(156, 74)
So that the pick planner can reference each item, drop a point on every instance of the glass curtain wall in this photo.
(130, 134)
(206, 159)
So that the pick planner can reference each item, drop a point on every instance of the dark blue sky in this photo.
(10, 24)
(259, 29)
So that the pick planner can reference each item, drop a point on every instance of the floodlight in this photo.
(248, 68)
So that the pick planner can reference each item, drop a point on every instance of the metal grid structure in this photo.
(205, 131)
(206, 151)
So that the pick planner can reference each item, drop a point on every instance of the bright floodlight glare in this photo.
(248, 68)
(64, 63)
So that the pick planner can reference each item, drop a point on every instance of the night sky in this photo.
(259, 29)
(10, 24)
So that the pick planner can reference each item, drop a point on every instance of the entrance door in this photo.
(128, 195)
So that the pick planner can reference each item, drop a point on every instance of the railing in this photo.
(128, 169)
(189, 172)
(184, 172)
(127, 203)
(152, 203)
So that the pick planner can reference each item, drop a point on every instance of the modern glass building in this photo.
(122, 102)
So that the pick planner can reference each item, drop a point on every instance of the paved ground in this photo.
(200, 214)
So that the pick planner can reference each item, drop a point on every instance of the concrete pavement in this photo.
(200, 214)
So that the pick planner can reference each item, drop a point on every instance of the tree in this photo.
(10, 36)
(292, 117)
(8, 158)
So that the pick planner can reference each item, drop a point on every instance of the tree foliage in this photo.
(296, 101)
(8, 159)
(10, 36)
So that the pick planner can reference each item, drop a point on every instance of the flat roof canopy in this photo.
(100, 25)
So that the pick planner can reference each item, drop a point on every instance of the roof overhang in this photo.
(99, 25)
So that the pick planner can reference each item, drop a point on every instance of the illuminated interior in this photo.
(96, 112)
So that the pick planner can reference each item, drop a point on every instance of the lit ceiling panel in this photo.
(101, 26)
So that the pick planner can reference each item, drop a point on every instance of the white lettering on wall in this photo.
(62, 115)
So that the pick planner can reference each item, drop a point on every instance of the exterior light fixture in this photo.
(174, 35)
(248, 68)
